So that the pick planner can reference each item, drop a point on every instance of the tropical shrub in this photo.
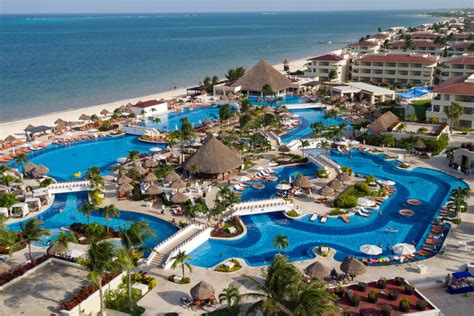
(346, 201)
(184, 280)
(339, 291)
(409, 289)
(386, 310)
(362, 286)
(323, 174)
(382, 283)
(336, 212)
(421, 305)
(399, 281)
(354, 299)
(372, 296)
(347, 170)
(393, 295)
(222, 268)
(292, 213)
(404, 305)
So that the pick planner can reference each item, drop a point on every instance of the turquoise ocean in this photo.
(50, 63)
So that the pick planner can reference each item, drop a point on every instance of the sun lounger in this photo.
(324, 219)
(344, 218)
(314, 217)
(362, 213)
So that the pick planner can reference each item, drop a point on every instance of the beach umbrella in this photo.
(172, 176)
(403, 249)
(29, 126)
(336, 185)
(124, 179)
(41, 170)
(150, 163)
(317, 270)
(84, 117)
(105, 112)
(29, 167)
(126, 187)
(370, 249)
(150, 178)
(303, 182)
(10, 139)
(327, 191)
(386, 182)
(154, 190)
(352, 266)
(155, 149)
(344, 177)
(179, 198)
(283, 186)
(364, 202)
(178, 184)
(202, 291)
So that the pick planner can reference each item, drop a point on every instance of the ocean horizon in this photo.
(55, 62)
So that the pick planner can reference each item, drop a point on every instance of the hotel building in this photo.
(322, 66)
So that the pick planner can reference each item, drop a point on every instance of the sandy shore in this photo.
(16, 127)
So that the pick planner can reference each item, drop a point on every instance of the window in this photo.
(446, 97)
(435, 108)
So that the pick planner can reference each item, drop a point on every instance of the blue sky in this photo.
(130, 6)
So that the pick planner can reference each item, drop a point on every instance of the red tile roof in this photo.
(464, 36)
(400, 58)
(462, 45)
(327, 57)
(146, 104)
(380, 36)
(456, 85)
(461, 60)
(365, 43)
(425, 35)
(417, 44)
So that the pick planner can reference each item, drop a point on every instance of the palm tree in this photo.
(132, 239)
(133, 155)
(20, 159)
(100, 261)
(31, 231)
(86, 209)
(63, 240)
(453, 112)
(280, 242)
(94, 176)
(464, 193)
(304, 144)
(317, 128)
(457, 204)
(408, 43)
(110, 211)
(181, 259)
(450, 153)
(401, 127)
(46, 183)
(230, 295)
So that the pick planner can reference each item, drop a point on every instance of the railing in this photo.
(162, 243)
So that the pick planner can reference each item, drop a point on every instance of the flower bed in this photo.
(226, 231)
(94, 229)
(8, 276)
(223, 268)
(142, 278)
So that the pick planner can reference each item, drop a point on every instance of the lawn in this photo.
(420, 107)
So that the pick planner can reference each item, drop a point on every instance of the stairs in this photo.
(163, 250)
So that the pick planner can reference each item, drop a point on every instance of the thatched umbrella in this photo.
(172, 176)
(61, 127)
(59, 121)
(420, 145)
(344, 177)
(178, 184)
(29, 167)
(284, 149)
(179, 198)
(303, 182)
(10, 139)
(202, 291)
(154, 190)
(105, 112)
(29, 126)
(317, 270)
(207, 122)
(352, 266)
(124, 179)
(150, 178)
(326, 191)
(4, 268)
(140, 169)
(41, 170)
(336, 185)
(150, 163)
(84, 117)
(126, 187)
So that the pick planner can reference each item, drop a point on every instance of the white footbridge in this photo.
(259, 207)
(299, 106)
(64, 187)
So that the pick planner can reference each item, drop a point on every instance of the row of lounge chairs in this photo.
(24, 150)
(73, 139)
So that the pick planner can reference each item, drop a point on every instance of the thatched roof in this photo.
(150, 178)
(336, 185)
(344, 177)
(385, 122)
(303, 182)
(284, 149)
(59, 121)
(140, 169)
(41, 169)
(29, 167)
(126, 187)
(260, 75)
(150, 163)
(4, 268)
(420, 145)
(105, 112)
(124, 179)
(154, 190)
(213, 157)
(327, 191)
(202, 291)
(352, 266)
(317, 270)
(61, 126)
(10, 139)
(178, 184)
(84, 117)
(179, 198)
(172, 176)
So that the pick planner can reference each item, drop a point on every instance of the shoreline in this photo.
(16, 127)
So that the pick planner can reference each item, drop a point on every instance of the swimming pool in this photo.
(287, 99)
(64, 161)
(172, 121)
(284, 173)
(65, 211)
(256, 248)
(306, 118)
(414, 93)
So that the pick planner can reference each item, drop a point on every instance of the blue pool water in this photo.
(307, 117)
(284, 173)
(172, 121)
(64, 212)
(256, 248)
(64, 161)
(287, 99)
(414, 93)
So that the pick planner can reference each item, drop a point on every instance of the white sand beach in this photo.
(16, 127)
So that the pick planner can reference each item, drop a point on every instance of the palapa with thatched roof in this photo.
(336, 185)
(260, 75)
(178, 184)
(10, 139)
(29, 167)
(352, 266)
(150, 178)
(105, 112)
(41, 170)
(344, 177)
(384, 123)
(124, 179)
(126, 187)
(61, 126)
(172, 176)
(212, 159)
(150, 163)
(303, 182)
(179, 198)
(4, 268)
(59, 121)
(140, 169)
(284, 149)
(84, 117)
(327, 191)
(154, 190)
(203, 291)
(317, 270)
(420, 145)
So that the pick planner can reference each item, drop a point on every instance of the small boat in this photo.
(314, 217)
(391, 230)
